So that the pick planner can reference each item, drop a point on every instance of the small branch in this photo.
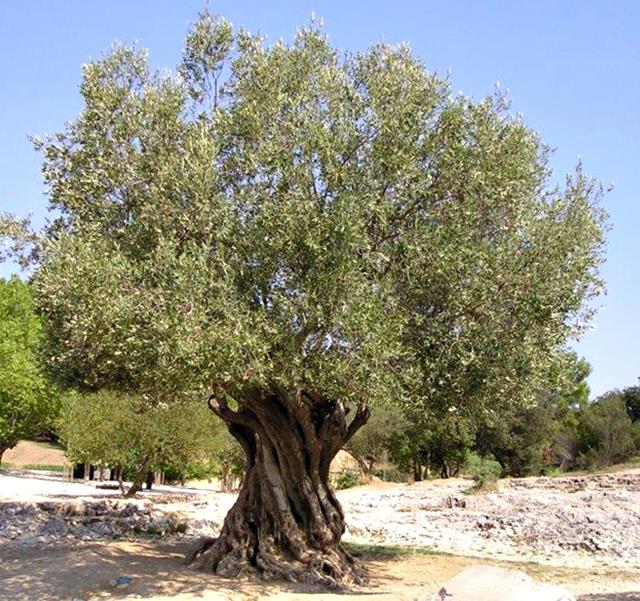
(221, 408)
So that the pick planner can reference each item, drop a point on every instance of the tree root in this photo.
(332, 568)
(202, 546)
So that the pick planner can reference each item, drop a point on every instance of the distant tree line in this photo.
(560, 431)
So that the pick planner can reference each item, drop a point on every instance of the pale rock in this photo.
(490, 583)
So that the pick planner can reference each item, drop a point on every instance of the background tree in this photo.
(631, 398)
(126, 432)
(27, 403)
(568, 395)
(297, 233)
(376, 440)
(432, 443)
(525, 438)
(518, 438)
(229, 459)
(606, 434)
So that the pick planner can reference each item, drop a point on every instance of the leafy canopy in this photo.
(291, 218)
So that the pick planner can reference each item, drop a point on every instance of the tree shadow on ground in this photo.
(16, 472)
(89, 571)
(79, 488)
(156, 570)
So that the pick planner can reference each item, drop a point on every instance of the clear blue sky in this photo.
(572, 67)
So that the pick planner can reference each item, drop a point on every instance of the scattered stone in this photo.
(562, 520)
(88, 519)
(450, 502)
(123, 581)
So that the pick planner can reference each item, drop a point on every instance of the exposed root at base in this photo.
(198, 549)
(335, 568)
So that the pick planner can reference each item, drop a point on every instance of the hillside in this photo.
(30, 453)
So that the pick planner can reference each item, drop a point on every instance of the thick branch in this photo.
(220, 407)
(360, 419)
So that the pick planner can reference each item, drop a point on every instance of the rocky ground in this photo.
(587, 523)
(590, 520)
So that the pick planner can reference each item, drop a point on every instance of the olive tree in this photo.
(296, 233)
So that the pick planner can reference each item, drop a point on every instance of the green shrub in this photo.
(485, 471)
(550, 471)
(346, 480)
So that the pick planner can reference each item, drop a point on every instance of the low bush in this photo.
(346, 480)
(485, 471)
(391, 474)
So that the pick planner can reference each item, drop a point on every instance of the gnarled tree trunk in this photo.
(286, 521)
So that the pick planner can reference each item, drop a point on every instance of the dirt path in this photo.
(90, 571)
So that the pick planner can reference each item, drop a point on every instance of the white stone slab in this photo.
(490, 583)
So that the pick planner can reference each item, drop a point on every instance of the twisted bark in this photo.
(286, 522)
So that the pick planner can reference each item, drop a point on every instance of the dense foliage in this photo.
(27, 403)
(605, 433)
(436, 444)
(631, 399)
(561, 430)
(531, 438)
(314, 222)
